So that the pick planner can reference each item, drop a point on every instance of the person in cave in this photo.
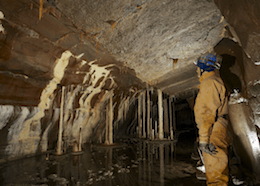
(211, 110)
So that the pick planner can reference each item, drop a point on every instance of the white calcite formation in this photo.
(24, 135)
(86, 117)
(2, 29)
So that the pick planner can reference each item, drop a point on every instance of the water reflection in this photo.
(136, 162)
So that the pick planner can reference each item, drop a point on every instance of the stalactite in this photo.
(41, 9)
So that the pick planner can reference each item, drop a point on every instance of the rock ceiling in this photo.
(155, 41)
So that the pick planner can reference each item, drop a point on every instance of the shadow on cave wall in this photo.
(232, 70)
(231, 80)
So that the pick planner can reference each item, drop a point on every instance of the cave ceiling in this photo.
(144, 42)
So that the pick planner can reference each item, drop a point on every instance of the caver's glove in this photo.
(208, 148)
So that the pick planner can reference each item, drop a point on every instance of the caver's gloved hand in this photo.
(208, 148)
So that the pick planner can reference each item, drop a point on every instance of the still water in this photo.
(129, 162)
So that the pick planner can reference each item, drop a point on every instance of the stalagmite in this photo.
(59, 142)
(111, 117)
(144, 115)
(151, 130)
(171, 117)
(160, 112)
(80, 140)
(165, 115)
(156, 129)
(126, 107)
(139, 117)
(153, 134)
(100, 138)
(148, 114)
(107, 125)
(152, 114)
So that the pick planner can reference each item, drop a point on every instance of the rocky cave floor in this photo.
(128, 162)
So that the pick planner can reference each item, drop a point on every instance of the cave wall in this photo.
(37, 58)
(28, 130)
(243, 20)
(243, 43)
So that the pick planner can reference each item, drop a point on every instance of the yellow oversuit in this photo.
(211, 111)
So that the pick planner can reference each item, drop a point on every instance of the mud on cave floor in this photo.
(128, 162)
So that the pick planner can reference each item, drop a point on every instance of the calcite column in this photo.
(139, 116)
(160, 110)
(111, 118)
(148, 114)
(144, 114)
(59, 142)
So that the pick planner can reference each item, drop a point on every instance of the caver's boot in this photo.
(200, 171)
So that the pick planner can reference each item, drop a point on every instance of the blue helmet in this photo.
(208, 62)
